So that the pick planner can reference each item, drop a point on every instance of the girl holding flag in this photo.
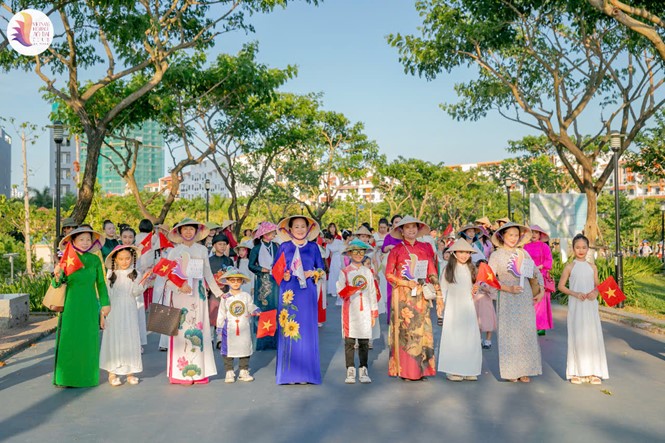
(300, 264)
(77, 340)
(266, 289)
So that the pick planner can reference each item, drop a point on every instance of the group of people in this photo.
(403, 270)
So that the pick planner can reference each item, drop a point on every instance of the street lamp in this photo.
(662, 232)
(207, 187)
(11, 256)
(615, 144)
(58, 137)
(509, 184)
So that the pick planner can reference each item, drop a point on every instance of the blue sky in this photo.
(341, 51)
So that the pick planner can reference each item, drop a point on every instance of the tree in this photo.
(137, 42)
(650, 159)
(542, 64)
(334, 153)
(43, 198)
(643, 18)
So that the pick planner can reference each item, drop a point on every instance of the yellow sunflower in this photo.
(283, 316)
(287, 297)
(291, 329)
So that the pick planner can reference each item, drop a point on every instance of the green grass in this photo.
(651, 299)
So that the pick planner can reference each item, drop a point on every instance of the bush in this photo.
(35, 286)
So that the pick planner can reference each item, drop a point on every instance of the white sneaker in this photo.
(350, 375)
(363, 376)
(245, 376)
(230, 377)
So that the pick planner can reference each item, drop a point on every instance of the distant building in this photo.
(149, 166)
(67, 166)
(5, 164)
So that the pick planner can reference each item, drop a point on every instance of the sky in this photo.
(341, 51)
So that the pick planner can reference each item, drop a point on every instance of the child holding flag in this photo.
(586, 349)
(460, 356)
(484, 302)
(234, 325)
(121, 348)
(356, 289)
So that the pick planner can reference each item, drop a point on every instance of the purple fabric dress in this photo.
(541, 255)
(297, 333)
(389, 240)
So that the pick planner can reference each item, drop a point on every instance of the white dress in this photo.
(586, 348)
(460, 351)
(190, 356)
(120, 352)
(380, 261)
(335, 249)
(234, 320)
(145, 261)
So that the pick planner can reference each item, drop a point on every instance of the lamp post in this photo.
(615, 144)
(11, 256)
(207, 187)
(58, 137)
(662, 232)
(509, 184)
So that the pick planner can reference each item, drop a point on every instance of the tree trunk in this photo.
(591, 224)
(87, 189)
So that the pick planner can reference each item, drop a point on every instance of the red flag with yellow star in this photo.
(486, 275)
(70, 261)
(267, 324)
(278, 269)
(147, 244)
(164, 267)
(610, 291)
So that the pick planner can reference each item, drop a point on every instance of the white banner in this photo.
(560, 215)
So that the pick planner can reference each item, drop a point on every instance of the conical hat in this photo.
(356, 245)
(525, 234)
(362, 230)
(109, 258)
(462, 245)
(201, 233)
(469, 226)
(483, 221)
(396, 231)
(227, 223)
(234, 273)
(285, 235)
(245, 243)
(544, 236)
(97, 239)
(264, 228)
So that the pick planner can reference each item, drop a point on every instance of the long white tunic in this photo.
(190, 356)
(586, 348)
(460, 350)
(120, 352)
(234, 320)
(358, 309)
(334, 249)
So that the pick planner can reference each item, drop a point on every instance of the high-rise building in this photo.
(67, 170)
(149, 166)
(5, 164)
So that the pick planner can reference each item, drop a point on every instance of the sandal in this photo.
(524, 379)
(576, 380)
(595, 380)
(132, 380)
(114, 380)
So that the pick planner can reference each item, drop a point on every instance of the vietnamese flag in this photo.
(176, 276)
(147, 244)
(164, 267)
(448, 230)
(267, 324)
(610, 291)
(486, 275)
(70, 261)
(348, 291)
(164, 242)
(278, 269)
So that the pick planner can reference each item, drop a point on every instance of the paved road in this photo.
(548, 409)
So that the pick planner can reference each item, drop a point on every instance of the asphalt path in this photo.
(626, 408)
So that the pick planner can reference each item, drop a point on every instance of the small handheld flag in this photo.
(486, 275)
(163, 267)
(147, 244)
(70, 261)
(610, 291)
(164, 242)
(267, 324)
(448, 230)
(279, 268)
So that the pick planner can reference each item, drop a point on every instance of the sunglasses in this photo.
(357, 252)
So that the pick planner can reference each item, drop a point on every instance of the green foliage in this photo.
(650, 159)
(35, 286)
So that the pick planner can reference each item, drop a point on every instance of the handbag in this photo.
(163, 319)
(54, 299)
(549, 283)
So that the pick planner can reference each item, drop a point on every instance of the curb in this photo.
(638, 321)
(26, 344)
